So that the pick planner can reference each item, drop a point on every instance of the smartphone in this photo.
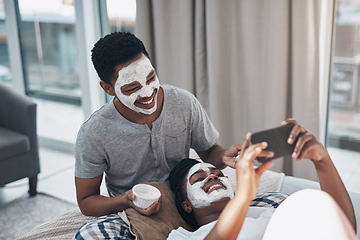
(277, 141)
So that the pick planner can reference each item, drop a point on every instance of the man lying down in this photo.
(206, 201)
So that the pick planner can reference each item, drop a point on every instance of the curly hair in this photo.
(177, 180)
(114, 49)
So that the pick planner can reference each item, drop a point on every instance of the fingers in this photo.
(303, 151)
(245, 145)
(297, 130)
(253, 151)
(233, 150)
(266, 154)
(154, 208)
(305, 141)
(157, 209)
(230, 155)
(129, 195)
(289, 120)
(299, 147)
(247, 141)
(238, 147)
(263, 167)
(148, 211)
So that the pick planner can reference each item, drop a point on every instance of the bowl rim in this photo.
(138, 195)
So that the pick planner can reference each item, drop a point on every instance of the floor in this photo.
(348, 165)
(56, 178)
(66, 117)
(57, 161)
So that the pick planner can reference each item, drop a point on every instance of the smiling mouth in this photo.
(147, 103)
(215, 187)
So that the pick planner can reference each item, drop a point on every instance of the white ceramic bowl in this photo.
(145, 195)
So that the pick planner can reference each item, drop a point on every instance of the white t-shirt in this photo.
(254, 226)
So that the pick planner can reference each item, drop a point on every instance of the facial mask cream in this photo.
(137, 72)
(196, 194)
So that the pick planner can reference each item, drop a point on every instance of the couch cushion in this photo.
(12, 143)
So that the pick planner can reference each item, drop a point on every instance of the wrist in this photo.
(123, 201)
(323, 162)
(243, 199)
(244, 194)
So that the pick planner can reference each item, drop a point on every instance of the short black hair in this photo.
(176, 180)
(114, 49)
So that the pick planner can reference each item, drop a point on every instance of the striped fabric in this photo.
(105, 227)
(270, 199)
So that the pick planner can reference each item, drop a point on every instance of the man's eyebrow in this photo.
(132, 84)
(151, 73)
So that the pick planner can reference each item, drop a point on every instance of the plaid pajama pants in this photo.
(269, 199)
(106, 227)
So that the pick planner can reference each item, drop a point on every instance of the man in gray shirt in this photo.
(130, 153)
(139, 136)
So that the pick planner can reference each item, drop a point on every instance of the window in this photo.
(343, 128)
(344, 97)
(5, 73)
(51, 39)
(48, 43)
(121, 15)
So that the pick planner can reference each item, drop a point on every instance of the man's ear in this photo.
(108, 88)
(186, 205)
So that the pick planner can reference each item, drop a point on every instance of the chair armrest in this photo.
(17, 112)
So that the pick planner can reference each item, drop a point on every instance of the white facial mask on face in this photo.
(137, 71)
(197, 196)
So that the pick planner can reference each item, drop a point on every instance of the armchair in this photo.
(19, 156)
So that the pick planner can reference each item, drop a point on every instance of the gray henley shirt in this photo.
(130, 153)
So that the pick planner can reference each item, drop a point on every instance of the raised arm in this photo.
(232, 217)
(91, 203)
(213, 155)
(309, 147)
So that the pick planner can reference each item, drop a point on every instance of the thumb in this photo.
(131, 196)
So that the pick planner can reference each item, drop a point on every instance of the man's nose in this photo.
(146, 91)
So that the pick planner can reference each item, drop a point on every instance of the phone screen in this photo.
(277, 141)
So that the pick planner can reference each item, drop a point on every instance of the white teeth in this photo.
(148, 102)
(213, 186)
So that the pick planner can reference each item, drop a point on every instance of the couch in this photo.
(159, 226)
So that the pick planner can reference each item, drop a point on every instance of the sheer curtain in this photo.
(251, 64)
